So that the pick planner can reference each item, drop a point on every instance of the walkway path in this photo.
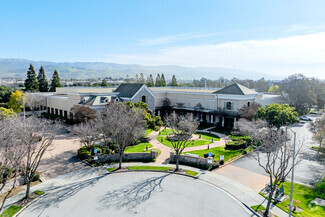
(244, 194)
(220, 135)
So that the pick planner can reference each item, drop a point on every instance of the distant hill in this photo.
(16, 68)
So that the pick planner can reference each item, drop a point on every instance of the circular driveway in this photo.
(137, 194)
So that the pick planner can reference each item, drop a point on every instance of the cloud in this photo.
(296, 54)
(306, 29)
(175, 38)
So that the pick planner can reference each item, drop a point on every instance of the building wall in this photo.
(150, 100)
(60, 105)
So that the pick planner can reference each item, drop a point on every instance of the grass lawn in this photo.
(138, 148)
(12, 210)
(149, 168)
(191, 173)
(218, 151)
(39, 193)
(111, 169)
(305, 195)
(208, 136)
(148, 131)
(258, 208)
(223, 131)
(166, 142)
(165, 132)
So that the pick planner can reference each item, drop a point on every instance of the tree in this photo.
(34, 100)
(81, 113)
(274, 89)
(141, 79)
(317, 127)
(249, 111)
(319, 90)
(277, 115)
(298, 92)
(123, 125)
(104, 83)
(36, 135)
(150, 82)
(6, 113)
(163, 80)
(55, 82)
(158, 81)
(16, 101)
(262, 85)
(273, 152)
(127, 79)
(88, 132)
(182, 129)
(4, 94)
(12, 153)
(174, 82)
(42, 81)
(31, 83)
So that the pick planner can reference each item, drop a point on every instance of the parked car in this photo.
(305, 118)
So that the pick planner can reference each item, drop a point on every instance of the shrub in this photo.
(235, 145)
(207, 155)
(244, 152)
(221, 162)
(83, 154)
(214, 166)
(37, 176)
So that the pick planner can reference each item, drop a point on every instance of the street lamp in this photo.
(293, 167)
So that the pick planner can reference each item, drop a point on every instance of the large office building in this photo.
(214, 106)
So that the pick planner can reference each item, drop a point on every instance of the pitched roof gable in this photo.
(128, 89)
(235, 89)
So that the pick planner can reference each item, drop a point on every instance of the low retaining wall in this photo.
(141, 156)
(188, 160)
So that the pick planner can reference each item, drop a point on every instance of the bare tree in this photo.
(273, 152)
(11, 157)
(82, 113)
(317, 127)
(34, 101)
(88, 132)
(123, 125)
(36, 135)
(248, 111)
(182, 129)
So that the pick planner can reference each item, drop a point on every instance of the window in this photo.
(144, 99)
(229, 106)
(248, 104)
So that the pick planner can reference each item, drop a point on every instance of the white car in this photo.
(305, 118)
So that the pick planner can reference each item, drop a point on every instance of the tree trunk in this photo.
(120, 162)
(27, 189)
(177, 163)
(267, 209)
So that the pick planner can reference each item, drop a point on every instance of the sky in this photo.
(278, 37)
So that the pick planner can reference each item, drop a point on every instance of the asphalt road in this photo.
(137, 194)
(312, 166)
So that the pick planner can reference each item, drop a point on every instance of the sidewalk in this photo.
(239, 191)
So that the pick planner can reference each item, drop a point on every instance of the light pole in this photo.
(293, 167)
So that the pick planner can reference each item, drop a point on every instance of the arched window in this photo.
(144, 99)
(248, 104)
(228, 105)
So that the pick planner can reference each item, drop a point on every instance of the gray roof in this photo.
(235, 89)
(128, 89)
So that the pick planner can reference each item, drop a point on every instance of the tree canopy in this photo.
(55, 81)
(174, 82)
(31, 82)
(16, 101)
(42, 81)
(277, 115)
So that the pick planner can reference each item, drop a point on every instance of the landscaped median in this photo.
(154, 168)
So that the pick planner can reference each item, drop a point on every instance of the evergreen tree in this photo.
(127, 79)
(42, 82)
(141, 79)
(31, 83)
(163, 80)
(104, 83)
(150, 82)
(55, 81)
(174, 81)
(158, 80)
